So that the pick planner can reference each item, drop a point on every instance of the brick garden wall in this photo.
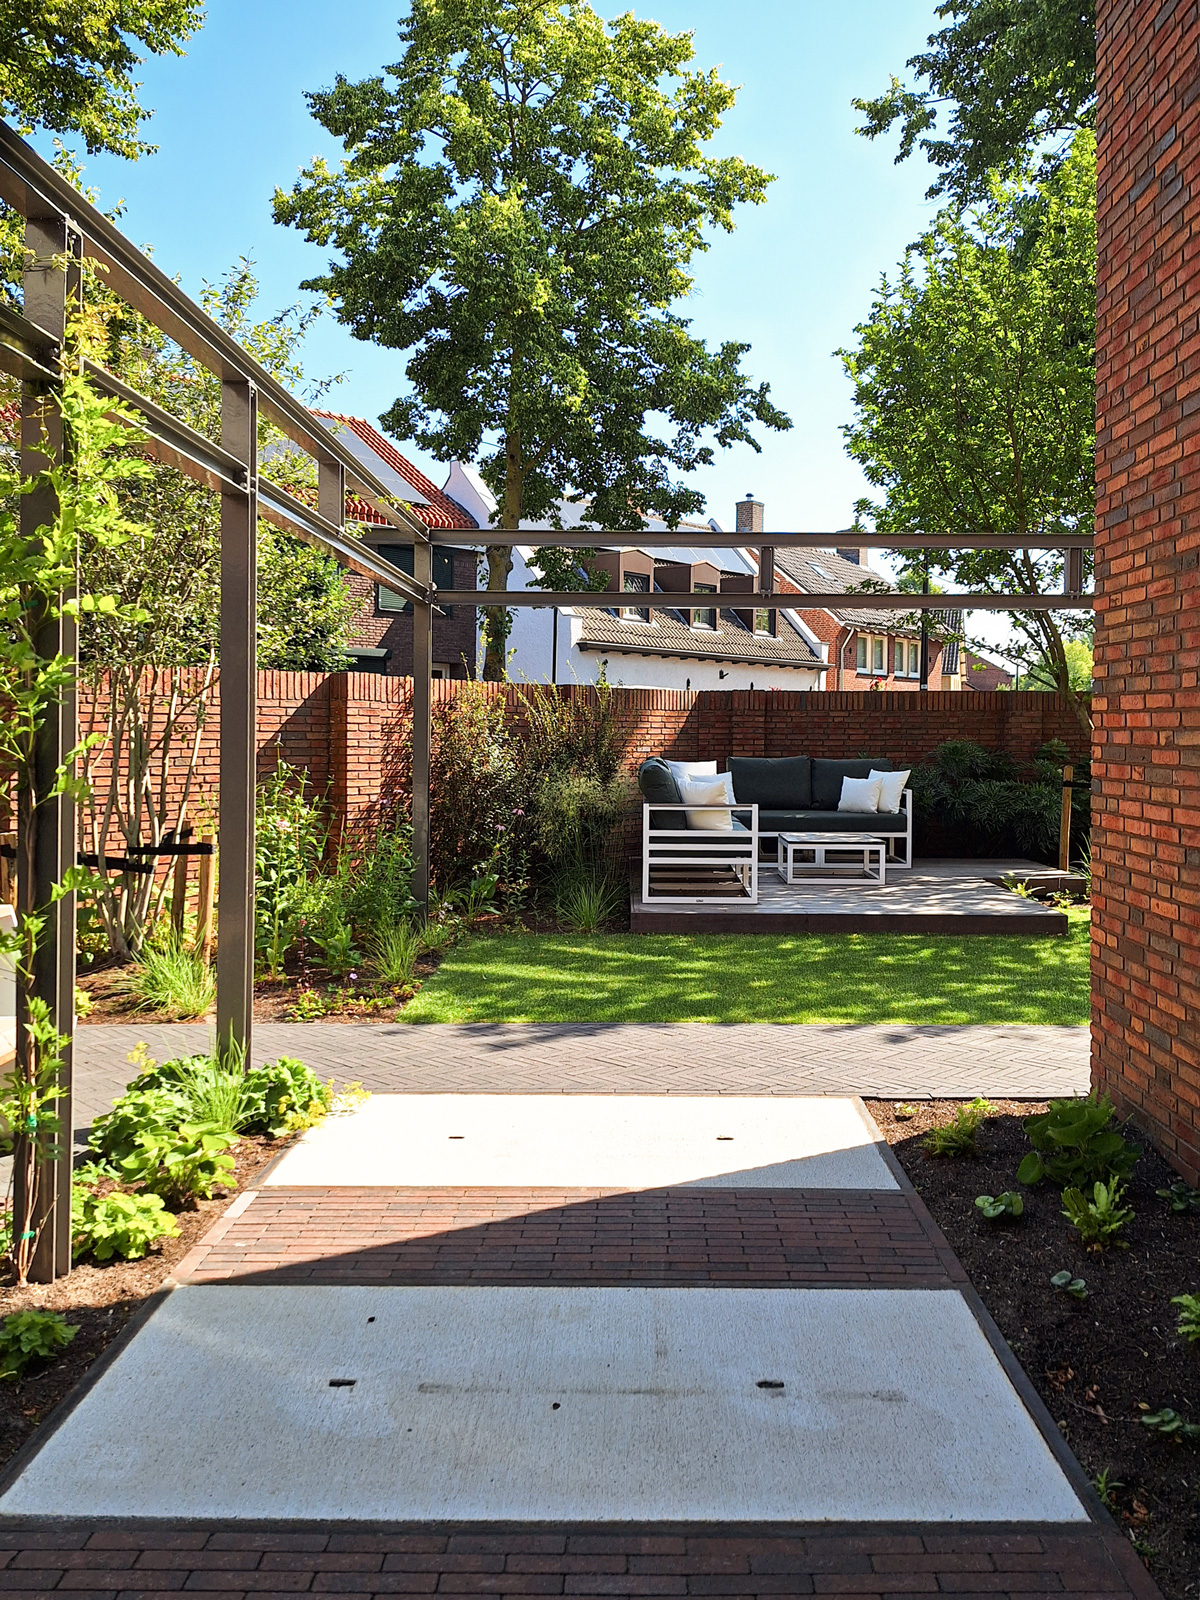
(1146, 800)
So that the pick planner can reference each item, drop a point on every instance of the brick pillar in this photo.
(1146, 835)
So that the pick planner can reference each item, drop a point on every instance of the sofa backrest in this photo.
(779, 784)
(827, 779)
(657, 783)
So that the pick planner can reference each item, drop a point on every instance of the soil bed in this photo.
(101, 1299)
(1098, 1364)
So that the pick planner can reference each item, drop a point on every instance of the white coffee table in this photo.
(859, 858)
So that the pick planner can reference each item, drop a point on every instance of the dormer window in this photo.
(708, 617)
(635, 583)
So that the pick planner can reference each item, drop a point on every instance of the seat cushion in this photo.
(657, 782)
(827, 779)
(832, 822)
(773, 781)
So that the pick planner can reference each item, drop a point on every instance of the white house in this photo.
(650, 644)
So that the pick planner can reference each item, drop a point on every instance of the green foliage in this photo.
(335, 940)
(27, 1336)
(522, 195)
(1074, 1144)
(983, 798)
(289, 842)
(174, 980)
(1106, 1487)
(1168, 1422)
(584, 901)
(1018, 79)
(1188, 1326)
(139, 1110)
(117, 1224)
(1180, 1196)
(182, 1164)
(1067, 1283)
(374, 878)
(282, 1096)
(1100, 1219)
(1008, 1204)
(395, 952)
(71, 68)
(957, 1137)
(974, 395)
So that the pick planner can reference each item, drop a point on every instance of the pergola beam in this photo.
(870, 600)
(27, 351)
(693, 538)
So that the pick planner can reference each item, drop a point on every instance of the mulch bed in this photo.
(1098, 1362)
(100, 1300)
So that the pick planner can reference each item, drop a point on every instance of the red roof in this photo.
(439, 512)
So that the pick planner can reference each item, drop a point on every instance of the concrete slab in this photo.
(591, 1141)
(494, 1404)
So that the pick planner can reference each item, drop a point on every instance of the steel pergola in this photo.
(62, 229)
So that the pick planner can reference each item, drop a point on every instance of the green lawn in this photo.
(756, 978)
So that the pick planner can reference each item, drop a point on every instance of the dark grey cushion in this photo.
(827, 779)
(832, 821)
(779, 781)
(657, 782)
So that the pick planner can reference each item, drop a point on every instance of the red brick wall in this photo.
(1146, 840)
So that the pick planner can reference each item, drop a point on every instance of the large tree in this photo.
(522, 194)
(1017, 79)
(974, 391)
(69, 67)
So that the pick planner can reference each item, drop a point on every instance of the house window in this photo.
(762, 622)
(913, 651)
(879, 655)
(706, 618)
(872, 655)
(401, 555)
(635, 583)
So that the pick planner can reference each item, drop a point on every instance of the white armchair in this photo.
(698, 865)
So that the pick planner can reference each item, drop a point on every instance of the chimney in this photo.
(851, 555)
(749, 515)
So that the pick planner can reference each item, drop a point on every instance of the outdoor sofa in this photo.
(771, 795)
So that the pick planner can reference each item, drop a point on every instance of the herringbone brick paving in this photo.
(757, 1238)
(129, 1562)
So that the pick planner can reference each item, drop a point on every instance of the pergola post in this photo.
(422, 726)
(47, 830)
(239, 606)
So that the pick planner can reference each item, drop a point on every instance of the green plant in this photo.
(1188, 1326)
(1008, 1204)
(138, 1111)
(374, 879)
(905, 1113)
(957, 1137)
(1073, 1144)
(1180, 1196)
(335, 941)
(27, 1336)
(174, 980)
(479, 896)
(1067, 1283)
(117, 1224)
(182, 1164)
(1169, 1422)
(585, 901)
(89, 1173)
(1100, 1219)
(284, 1095)
(1106, 1487)
(289, 842)
(1019, 886)
(395, 951)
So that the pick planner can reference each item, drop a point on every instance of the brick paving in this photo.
(756, 1238)
(136, 1560)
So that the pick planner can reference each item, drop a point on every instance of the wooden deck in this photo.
(931, 897)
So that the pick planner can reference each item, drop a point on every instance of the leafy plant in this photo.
(1067, 1283)
(285, 1096)
(905, 1113)
(118, 1224)
(27, 1336)
(137, 1112)
(1169, 1422)
(395, 951)
(89, 1173)
(335, 941)
(1100, 1219)
(957, 1137)
(182, 1164)
(174, 980)
(1188, 1326)
(1180, 1196)
(1106, 1487)
(1074, 1144)
(1008, 1204)
(374, 879)
(585, 901)
(289, 842)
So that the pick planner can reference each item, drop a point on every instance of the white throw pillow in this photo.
(891, 787)
(691, 769)
(860, 794)
(715, 787)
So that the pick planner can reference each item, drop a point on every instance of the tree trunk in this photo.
(497, 620)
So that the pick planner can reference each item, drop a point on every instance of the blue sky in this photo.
(231, 123)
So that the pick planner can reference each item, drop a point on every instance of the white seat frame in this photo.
(700, 847)
(905, 838)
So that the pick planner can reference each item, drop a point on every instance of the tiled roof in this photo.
(667, 634)
(434, 508)
(825, 572)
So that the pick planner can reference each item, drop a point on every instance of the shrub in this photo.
(375, 879)
(290, 836)
(1188, 1326)
(27, 1336)
(957, 1137)
(981, 802)
(138, 1111)
(1100, 1219)
(118, 1224)
(173, 980)
(1074, 1145)
(283, 1097)
(182, 1164)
